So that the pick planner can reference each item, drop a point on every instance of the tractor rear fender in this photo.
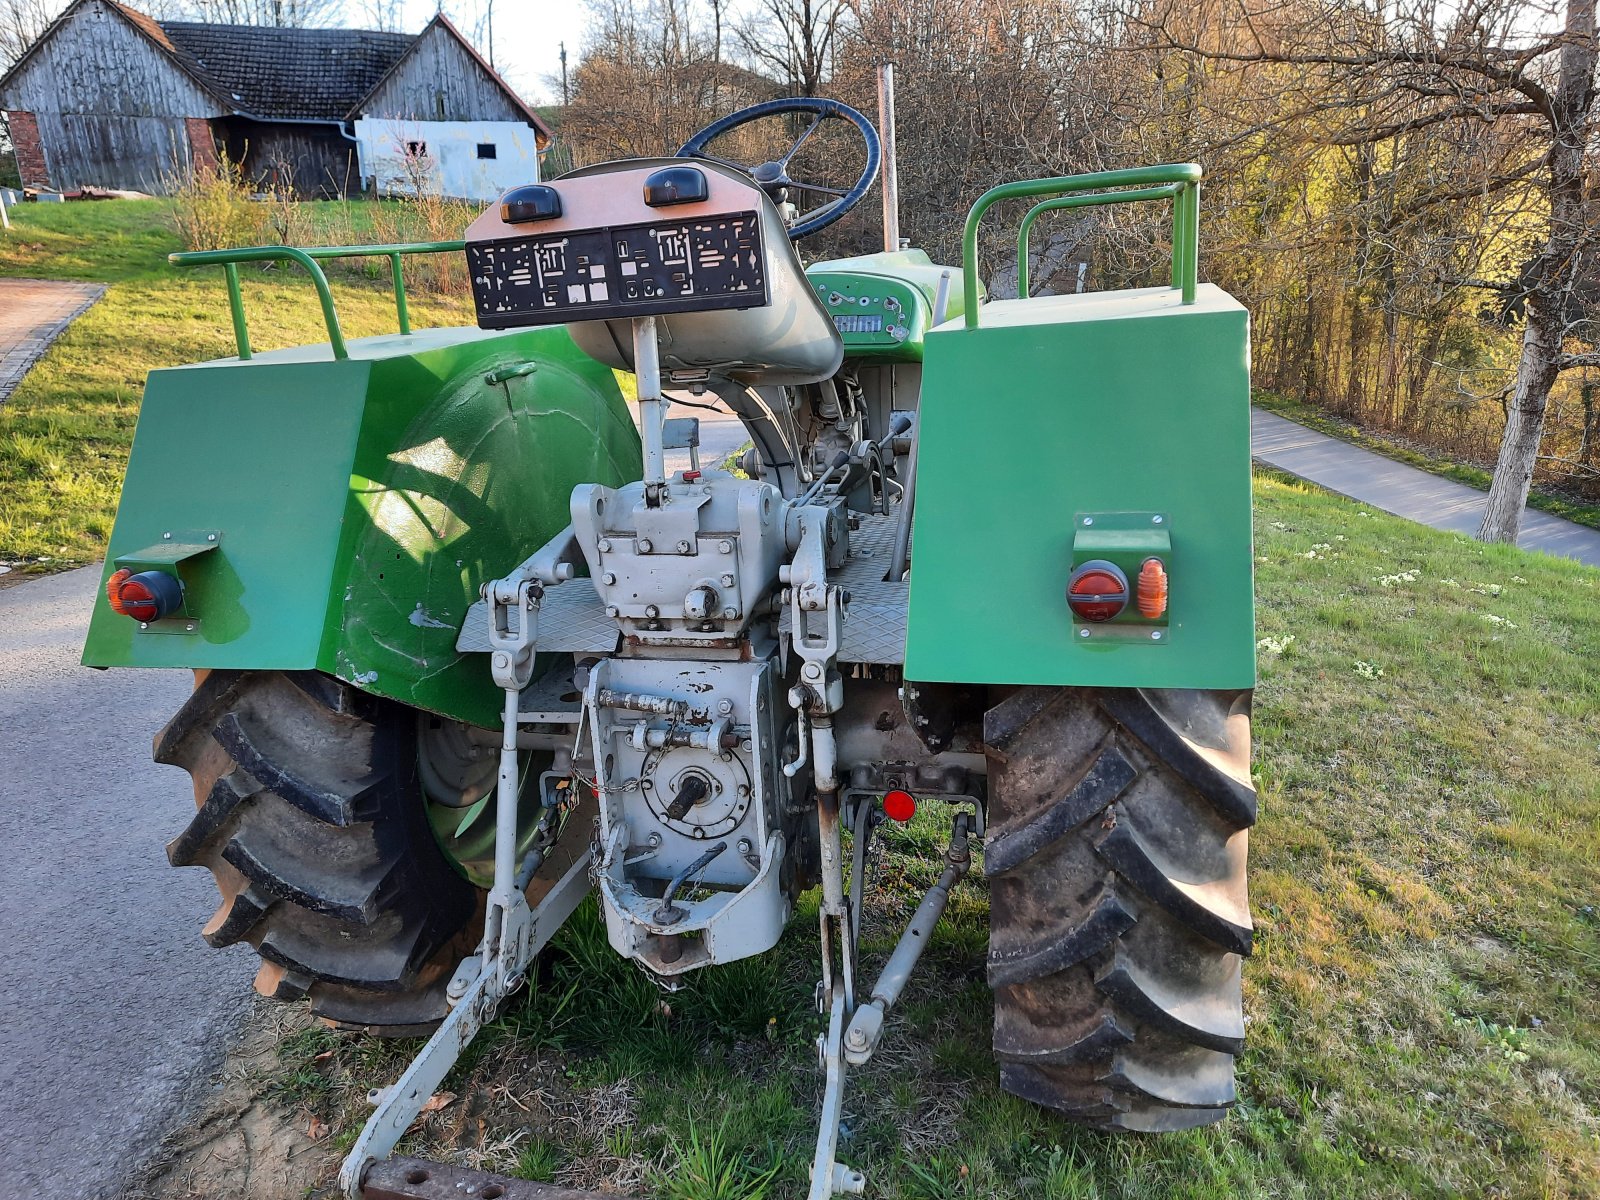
(340, 515)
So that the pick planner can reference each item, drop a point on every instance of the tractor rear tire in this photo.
(1116, 845)
(311, 817)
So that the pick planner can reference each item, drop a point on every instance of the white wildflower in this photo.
(1495, 620)
(1275, 645)
(1368, 670)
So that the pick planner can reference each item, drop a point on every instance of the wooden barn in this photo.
(108, 97)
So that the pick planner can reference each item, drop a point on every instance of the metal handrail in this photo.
(1060, 202)
(1184, 193)
(308, 258)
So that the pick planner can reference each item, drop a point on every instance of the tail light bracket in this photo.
(1126, 539)
(174, 555)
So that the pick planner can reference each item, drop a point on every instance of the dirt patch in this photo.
(241, 1142)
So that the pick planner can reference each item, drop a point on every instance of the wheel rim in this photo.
(459, 773)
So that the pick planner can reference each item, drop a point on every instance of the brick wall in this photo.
(30, 151)
(202, 146)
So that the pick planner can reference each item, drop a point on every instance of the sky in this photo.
(527, 38)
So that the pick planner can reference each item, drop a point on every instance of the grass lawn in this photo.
(1324, 422)
(65, 431)
(1423, 1005)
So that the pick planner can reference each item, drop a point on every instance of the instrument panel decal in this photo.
(626, 271)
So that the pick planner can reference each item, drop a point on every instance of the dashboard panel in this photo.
(876, 316)
(696, 265)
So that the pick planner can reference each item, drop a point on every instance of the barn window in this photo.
(416, 149)
(487, 150)
(438, 99)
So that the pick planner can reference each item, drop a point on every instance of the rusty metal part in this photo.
(419, 1179)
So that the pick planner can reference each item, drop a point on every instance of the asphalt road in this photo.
(115, 1010)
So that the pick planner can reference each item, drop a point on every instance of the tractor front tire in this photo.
(310, 815)
(1116, 844)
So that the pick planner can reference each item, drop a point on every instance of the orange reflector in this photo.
(899, 805)
(114, 591)
(1152, 589)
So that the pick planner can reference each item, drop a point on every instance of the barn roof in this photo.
(303, 74)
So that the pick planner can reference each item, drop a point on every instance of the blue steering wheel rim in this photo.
(695, 147)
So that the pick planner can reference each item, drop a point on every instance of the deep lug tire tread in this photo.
(1118, 910)
(310, 818)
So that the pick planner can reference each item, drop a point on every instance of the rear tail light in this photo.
(1097, 591)
(145, 597)
(899, 805)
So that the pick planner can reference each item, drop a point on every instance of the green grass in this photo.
(66, 430)
(1319, 419)
(1424, 1001)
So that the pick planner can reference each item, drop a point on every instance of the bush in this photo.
(212, 208)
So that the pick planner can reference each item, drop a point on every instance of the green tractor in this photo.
(466, 648)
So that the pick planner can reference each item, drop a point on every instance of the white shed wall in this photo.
(451, 166)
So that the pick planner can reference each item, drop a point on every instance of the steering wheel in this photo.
(773, 176)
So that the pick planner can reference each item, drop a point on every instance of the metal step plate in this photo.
(571, 621)
(875, 619)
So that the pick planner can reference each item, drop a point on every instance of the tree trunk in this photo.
(1552, 275)
(1519, 445)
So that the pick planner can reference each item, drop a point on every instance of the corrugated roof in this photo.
(306, 74)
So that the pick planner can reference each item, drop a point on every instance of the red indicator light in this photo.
(145, 597)
(690, 476)
(1097, 591)
(899, 805)
(1152, 588)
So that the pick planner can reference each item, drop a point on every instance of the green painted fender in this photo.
(341, 515)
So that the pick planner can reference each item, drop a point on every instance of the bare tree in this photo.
(21, 23)
(1502, 118)
(793, 39)
(385, 15)
(282, 14)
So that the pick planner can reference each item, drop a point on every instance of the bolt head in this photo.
(502, 659)
(1083, 633)
(608, 578)
(1088, 520)
(725, 546)
(812, 670)
(729, 614)
(727, 581)
(645, 546)
(612, 610)
(604, 545)
(683, 547)
(1155, 635)
(167, 536)
(724, 706)
(652, 611)
(1156, 520)
(211, 537)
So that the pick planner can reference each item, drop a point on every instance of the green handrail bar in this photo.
(308, 258)
(1061, 202)
(1185, 217)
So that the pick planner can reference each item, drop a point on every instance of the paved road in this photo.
(114, 1007)
(33, 313)
(1402, 490)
